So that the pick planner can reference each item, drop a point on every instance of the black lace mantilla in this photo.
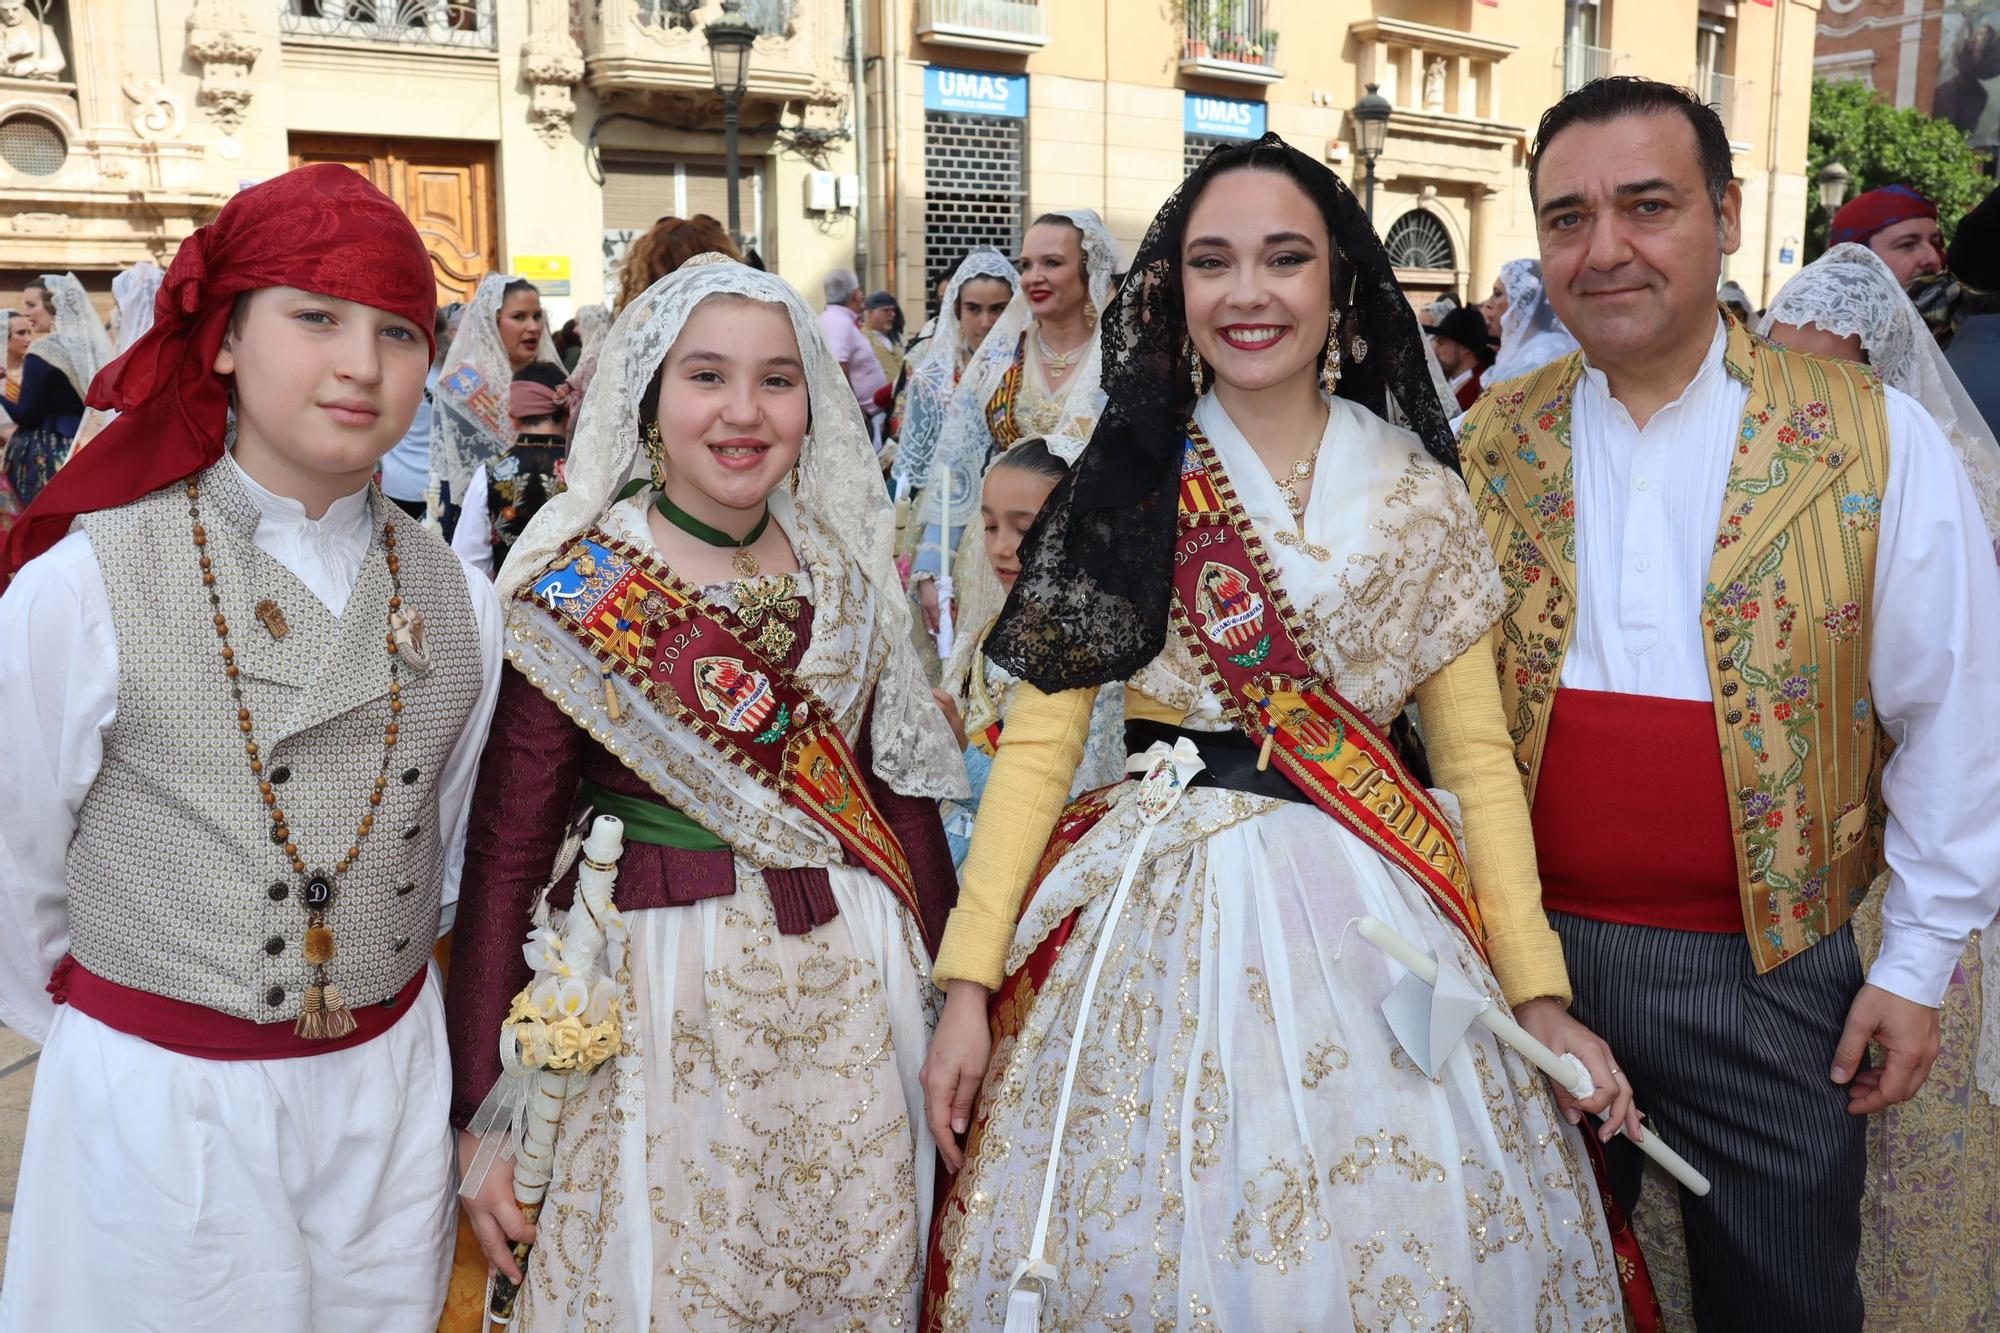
(1091, 602)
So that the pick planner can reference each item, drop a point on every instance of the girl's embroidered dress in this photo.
(757, 1155)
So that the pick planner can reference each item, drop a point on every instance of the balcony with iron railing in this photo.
(1581, 64)
(462, 24)
(1231, 39)
(658, 48)
(988, 25)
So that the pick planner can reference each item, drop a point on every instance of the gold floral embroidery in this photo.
(1384, 1147)
(1285, 1213)
(1211, 1115)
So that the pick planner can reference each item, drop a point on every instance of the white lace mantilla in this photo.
(839, 521)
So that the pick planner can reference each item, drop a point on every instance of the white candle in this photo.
(1503, 1026)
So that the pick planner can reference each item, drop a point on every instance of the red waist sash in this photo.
(209, 1034)
(1631, 814)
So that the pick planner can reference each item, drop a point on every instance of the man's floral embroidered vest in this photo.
(1785, 612)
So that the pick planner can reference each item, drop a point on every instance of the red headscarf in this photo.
(321, 228)
(1866, 214)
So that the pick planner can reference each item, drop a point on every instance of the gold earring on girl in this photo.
(1329, 368)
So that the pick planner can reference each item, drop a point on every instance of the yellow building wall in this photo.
(1105, 96)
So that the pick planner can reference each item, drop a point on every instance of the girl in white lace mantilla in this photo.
(755, 1156)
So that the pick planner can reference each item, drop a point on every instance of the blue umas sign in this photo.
(976, 93)
(1224, 117)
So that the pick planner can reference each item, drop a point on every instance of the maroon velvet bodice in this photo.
(522, 807)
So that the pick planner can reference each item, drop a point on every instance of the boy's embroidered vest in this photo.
(174, 884)
(1785, 614)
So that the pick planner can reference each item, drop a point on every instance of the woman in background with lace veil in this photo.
(979, 292)
(1930, 1229)
(132, 295)
(1036, 373)
(1531, 333)
(70, 347)
(501, 330)
(1195, 1115)
(723, 662)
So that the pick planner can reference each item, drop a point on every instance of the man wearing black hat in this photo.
(1464, 348)
(1974, 351)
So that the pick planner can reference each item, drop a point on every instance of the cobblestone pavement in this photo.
(17, 1080)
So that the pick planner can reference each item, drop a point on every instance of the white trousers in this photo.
(160, 1193)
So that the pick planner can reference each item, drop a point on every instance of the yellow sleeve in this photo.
(1472, 757)
(1025, 795)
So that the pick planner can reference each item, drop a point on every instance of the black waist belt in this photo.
(1229, 759)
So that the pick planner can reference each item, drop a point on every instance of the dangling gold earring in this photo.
(1195, 368)
(1329, 368)
(656, 451)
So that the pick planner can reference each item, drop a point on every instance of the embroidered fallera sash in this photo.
(1240, 629)
(1000, 407)
(693, 659)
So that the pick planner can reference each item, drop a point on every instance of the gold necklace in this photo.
(1058, 363)
(325, 1015)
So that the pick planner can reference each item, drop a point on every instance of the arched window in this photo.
(1418, 240)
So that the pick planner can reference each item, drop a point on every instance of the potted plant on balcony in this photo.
(1268, 39)
(1197, 28)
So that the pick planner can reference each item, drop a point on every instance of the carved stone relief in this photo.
(223, 42)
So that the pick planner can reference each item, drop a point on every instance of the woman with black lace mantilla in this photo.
(1197, 1114)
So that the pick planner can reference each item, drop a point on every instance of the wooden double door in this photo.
(444, 186)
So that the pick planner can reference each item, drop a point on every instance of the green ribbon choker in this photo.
(701, 531)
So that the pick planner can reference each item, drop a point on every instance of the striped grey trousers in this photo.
(1731, 1068)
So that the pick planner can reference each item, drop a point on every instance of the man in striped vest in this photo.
(1749, 661)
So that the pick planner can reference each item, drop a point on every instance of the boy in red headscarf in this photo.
(248, 697)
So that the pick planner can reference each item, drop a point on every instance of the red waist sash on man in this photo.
(209, 1034)
(1631, 813)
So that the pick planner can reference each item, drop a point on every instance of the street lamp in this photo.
(1832, 180)
(1371, 132)
(729, 40)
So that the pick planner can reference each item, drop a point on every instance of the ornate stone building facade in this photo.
(520, 135)
(539, 136)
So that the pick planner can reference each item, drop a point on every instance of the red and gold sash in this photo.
(1000, 407)
(1239, 626)
(693, 660)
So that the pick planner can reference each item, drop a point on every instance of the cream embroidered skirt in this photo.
(1247, 1146)
(757, 1158)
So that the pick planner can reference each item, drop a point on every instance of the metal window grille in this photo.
(32, 146)
(460, 23)
(1418, 240)
(975, 186)
(1197, 147)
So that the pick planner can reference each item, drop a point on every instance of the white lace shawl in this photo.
(933, 371)
(78, 346)
(133, 292)
(839, 519)
(1850, 292)
(471, 425)
(1531, 333)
